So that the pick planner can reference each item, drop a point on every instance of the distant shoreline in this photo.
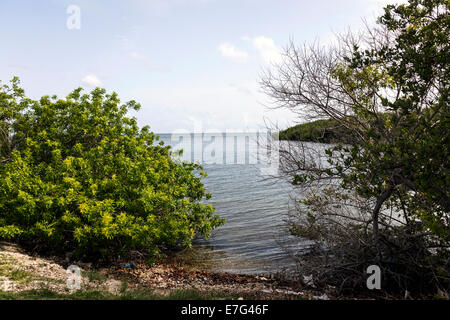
(320, 131)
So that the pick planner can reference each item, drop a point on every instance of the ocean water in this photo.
(254, 239)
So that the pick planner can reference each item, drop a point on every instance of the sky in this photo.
(193, 65)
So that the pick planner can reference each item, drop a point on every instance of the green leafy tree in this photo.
(78, 174)
(407, 148)
(383, 196)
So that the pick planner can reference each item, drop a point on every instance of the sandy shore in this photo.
(20, 271)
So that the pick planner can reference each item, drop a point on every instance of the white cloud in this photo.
(125, 41)
(268, 50)
(231, 52)
(137, 56)
(266, 47)
(91, 80)
(129, 48)
(386, 2)
(178, 105)
(375, 7)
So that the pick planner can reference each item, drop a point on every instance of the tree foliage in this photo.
(383, 197)
(78, 174)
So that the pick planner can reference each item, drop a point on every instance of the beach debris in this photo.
(407, 295)
(443, 294)
(84, 265)
(113, 286)
(130, 265)
(308, 280)
(288, 292)
(282, 291)
(322, 297)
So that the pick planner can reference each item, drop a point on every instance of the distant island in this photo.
(323, 131)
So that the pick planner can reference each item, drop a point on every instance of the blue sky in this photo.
(194, 65)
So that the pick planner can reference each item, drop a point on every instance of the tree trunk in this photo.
(380, 200)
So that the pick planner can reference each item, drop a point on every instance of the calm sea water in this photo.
(254, 238)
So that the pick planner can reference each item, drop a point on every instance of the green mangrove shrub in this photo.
(78, 174)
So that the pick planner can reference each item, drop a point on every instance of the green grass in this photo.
(93, 275)
(15, 274)
(41, 294)
(137, 294)
(8, 269)
(24, 277)
(20, 276)
(189, 294)
(6, 260)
